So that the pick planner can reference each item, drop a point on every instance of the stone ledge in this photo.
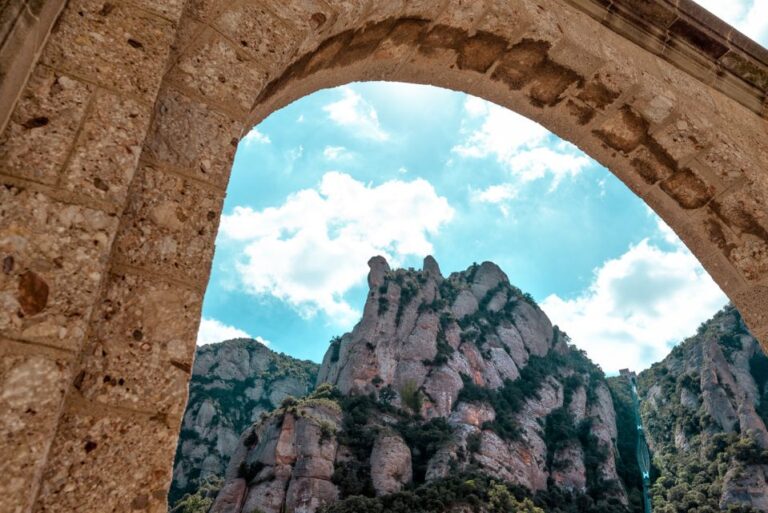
(692, 39)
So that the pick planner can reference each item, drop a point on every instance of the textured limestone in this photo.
(233, 384)
(711, 379)
(390, 464)
(402, 344)
(33, 386)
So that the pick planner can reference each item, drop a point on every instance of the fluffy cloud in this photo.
(213, 330)
(255, 137)
(527, 149)
(335, 152)
(638, 305)
(500, 195)
(314, 247)
(353, 112)
(748, 16)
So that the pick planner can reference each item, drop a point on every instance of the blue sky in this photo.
(405, 171)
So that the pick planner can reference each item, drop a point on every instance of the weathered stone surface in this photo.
(118, 46)
(32, 389)
(87, 469)
(107, 150)
(191, 136)
(172, 223)
(43, 126)
(52, 254)
(140, 356)
(390, 464)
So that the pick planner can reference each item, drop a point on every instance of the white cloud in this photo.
(748, 16)
(500, 195)
(335, 152)
(213, 330)
(353, 112)
(314, 247)
(638, 305)
(527, 149)
(255, 137)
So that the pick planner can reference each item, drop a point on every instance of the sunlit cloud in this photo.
(500, 195)
(336, 153)
(313, 248)
(255, 137)
(213, 330)
(356, 114)
(526, 149)
(639, 304)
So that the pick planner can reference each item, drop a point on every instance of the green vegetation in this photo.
(424, 440)
(335, 348)
(692, 451)
(411, 396)
(627, 466)
(476, 492)
(509, 399)
(201, 500)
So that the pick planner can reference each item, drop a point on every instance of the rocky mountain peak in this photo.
(443, 376)
(420, 329)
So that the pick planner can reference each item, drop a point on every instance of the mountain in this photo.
(457, 394)
(705, 409)
(451, 394)
(233, 383)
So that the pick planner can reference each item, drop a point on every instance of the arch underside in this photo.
(117, 156)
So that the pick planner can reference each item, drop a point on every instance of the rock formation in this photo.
(705, 409)
(233, 384)
(441, 378)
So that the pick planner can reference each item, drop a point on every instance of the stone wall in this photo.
(115, 161)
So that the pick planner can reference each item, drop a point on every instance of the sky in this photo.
(404, 171)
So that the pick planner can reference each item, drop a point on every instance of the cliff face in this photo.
(444, 382)
(705, 411)
(233, 384)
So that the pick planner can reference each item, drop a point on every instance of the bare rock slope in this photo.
(233, 384)
(705, 409)
(445, 383)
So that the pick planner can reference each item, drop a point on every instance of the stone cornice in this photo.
(694, 40)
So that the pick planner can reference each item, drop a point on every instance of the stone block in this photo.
(106, 153)
(193, 137)
(114, 44)
(104, 461)
(204, 10)
(753, 307)
(53, 257)
(682, 138)
(170, 9)
(43, 126)
(311, 20)
(246, 24)
(463, 14)
(142, 347)
(33, 387)
(217, 71)
(169, 226)
(624, 131)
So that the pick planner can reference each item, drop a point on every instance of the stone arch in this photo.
(116, 156)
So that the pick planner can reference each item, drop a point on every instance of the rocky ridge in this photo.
(462, 375)
(233, 384)
(705, 409)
